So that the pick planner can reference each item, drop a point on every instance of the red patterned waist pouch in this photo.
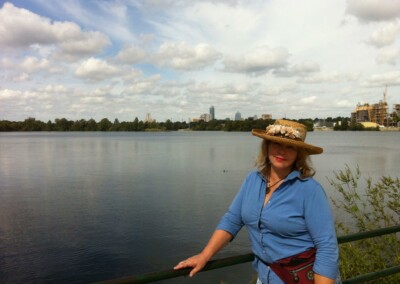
(295, 269)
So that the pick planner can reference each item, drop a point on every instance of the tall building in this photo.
(206, 117)
(148, 118)
(212, 113)
(266, 116)
(377, 113)
(238, 116)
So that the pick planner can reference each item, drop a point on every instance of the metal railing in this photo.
(239, 259)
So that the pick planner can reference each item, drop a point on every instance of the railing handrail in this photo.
(368, 234)
(238, 259)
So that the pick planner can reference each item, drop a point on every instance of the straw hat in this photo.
(289, 133)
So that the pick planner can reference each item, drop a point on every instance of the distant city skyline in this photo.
(174, 59)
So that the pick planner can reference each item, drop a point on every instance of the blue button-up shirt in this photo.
(297, 217)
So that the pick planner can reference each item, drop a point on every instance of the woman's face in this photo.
(282, 157)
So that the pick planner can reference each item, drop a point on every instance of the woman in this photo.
(286, 213)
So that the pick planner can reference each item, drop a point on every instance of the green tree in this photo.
(228, 126)
(31, 124)
(140, 126)
(180, 125)
(79, 125)
(104, 124)
(169, 125)
(214, 125)
(308, 123)
(342, 123)
(49, 126)
(116, 126)
(357, 127)
(63, 124)
(135, 124)
(6, 125)
(91, 125)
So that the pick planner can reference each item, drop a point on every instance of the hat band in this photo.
(284, 131)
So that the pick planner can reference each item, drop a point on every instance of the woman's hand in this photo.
(319, 279)
(197, 262)
(217, 241)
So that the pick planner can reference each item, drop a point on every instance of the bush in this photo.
(376, 206)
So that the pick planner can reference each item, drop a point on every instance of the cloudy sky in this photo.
(112, 59)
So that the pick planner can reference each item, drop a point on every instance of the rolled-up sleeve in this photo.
(320, 225)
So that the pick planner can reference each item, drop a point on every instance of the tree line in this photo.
(63, 124)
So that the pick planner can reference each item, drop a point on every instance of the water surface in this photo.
(85, 207)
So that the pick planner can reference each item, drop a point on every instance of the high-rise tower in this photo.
(212, 113)
(238, 116)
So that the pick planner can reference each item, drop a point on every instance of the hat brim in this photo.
(311, 149)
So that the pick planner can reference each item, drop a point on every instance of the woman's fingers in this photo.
(196, 262)
(182, 264)
(195, 270)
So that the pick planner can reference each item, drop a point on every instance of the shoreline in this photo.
(383, 129)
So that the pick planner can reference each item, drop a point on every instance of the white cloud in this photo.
(374, 10)
(96, 69)
(54, 89)
(322, 77)
(28, 108)
(194, 22)
(272, 91)
(257, 61)
(344, 103)
(170, 90)
(388, 56)
(131, 55)
(32, 64)
(76, 43)
(143, 86)
(22, 28)
(301, 69)
(9, 94)
(182, 56)
(212, 89)
(21, 77)
(48, 107)
(378, 80)
(93, 100)
(308, 100)
(352, 77)
(386, 35)
(29, 68)
(35, 95)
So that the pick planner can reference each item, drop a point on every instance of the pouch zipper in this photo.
(294, 272)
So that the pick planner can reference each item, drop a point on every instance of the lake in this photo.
(84, 207)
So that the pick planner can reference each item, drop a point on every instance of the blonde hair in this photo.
(302, 163)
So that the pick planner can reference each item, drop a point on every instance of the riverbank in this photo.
(386, 129)
(389, 129)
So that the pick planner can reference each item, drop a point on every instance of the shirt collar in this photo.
(293, 175)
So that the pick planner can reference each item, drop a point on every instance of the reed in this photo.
(375, 206)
